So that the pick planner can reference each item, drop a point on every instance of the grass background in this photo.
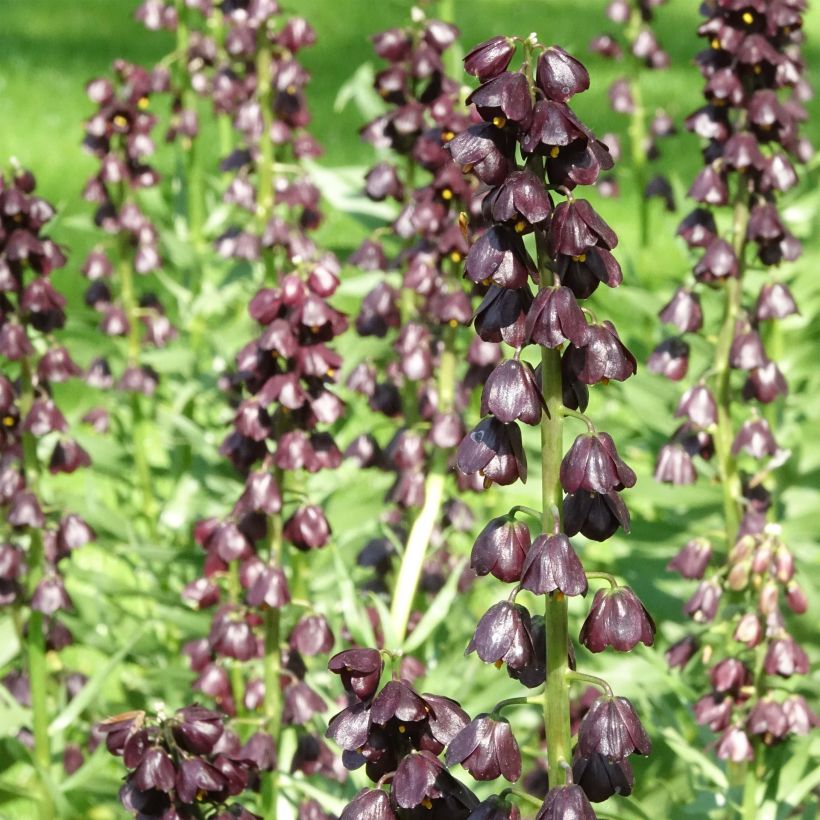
(50, 48)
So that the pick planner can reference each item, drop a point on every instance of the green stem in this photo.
(234, 596)
(600, 683)
(733, 291)
(556, 694)
(604, 576)
(749, 808)
(264, 79)
(36, 640)
(521, 701)
(412, 561)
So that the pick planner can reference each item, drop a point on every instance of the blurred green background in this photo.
(49, 49)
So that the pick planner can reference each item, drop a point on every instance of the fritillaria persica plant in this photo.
(753, 72)
(36, 536)
(528, 147)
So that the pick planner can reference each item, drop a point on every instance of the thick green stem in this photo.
(415, 551)
(264, 79)
(237, 678)
(733, 291)
(556, 694)
(36, 639)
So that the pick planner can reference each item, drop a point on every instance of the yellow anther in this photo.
(453, 323)
(558, 595)
(314, 328)
(8, 421)
(554, 151)
(455, 256)
(402, 729)
(427, 803)
(498, 664)
(330, 373)
(520, 226)
(447, 194)
(120, 121)
(448, 135)
(581, 258)
(715, 42)
(487, 282)
(463, 223)
(142, 103)
(499, 122)
(467, 168)
(748, 18)
(757, 69)
(291, 89)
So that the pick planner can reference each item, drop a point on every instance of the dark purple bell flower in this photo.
(155, 771)
(521, 202)
(576, 226)
(504, 98)
(698, 229)
(197, 729)
(511, 394)
(729, 675)
(703, 605)
(499, 256)
(300, 704)
(734, 745)
(611, 728)
(311, 635)
(603, 357)
(717, 263)
(554, 318)
(618, 619)
(359, 669)
(270, 589)
(196, 779)
(503, 636)
(674, 465)
(501, 548)
(601, 778)
(670, 359)
(594, 515)
(383, 181)
(785, 657)
(307, 528)
(566, 803)
(775, 301)
(490, 58)
(693, 558)
(698, 405)
(369, 804)
(482, 150)
(593, 464)
(714, 711)
(747, 351)
(710, 188)
(487, 749)
(799, 714)
(755, 437)
(495, 451)
(552, 564)
(502, 315)
(50, 596)
(559, 75)
(583, 273)
(768, 718)
(681, 652)
(422, 780)
(765, 384)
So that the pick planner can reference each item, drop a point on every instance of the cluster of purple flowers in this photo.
(119, 135)
(754, 89)
(625, 94)
(36, 536)
(284, 408)
(182, 765)
(431, 303)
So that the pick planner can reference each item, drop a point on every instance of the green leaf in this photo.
(93, 687)
(437, 612)
(707, 768)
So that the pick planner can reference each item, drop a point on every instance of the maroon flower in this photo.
(611, 728)
(487, 749)
(552, 564)
(617, 619)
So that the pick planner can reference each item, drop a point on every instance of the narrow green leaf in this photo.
(686, 752)
(437, 612)
(93, 687)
